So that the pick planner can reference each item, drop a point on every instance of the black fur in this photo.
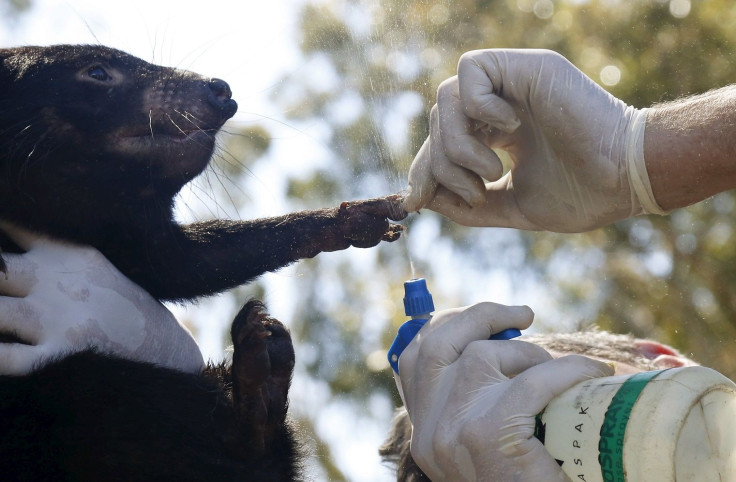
(96, 418)
(94, 146)
(96, 143)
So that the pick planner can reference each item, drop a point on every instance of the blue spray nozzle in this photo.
(417, 298)
(417, 302)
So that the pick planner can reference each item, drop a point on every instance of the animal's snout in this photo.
(222, 96)
(221, 89)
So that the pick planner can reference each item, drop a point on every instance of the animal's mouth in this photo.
(170, 135)
(174, 123)
(173, 150)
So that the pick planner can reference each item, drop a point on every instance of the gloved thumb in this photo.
(540, 384)
(422, 184)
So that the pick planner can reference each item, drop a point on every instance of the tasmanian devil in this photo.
(94, 146)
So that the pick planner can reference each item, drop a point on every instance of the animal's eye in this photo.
(99, 73)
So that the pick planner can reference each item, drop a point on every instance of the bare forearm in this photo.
(690, 148)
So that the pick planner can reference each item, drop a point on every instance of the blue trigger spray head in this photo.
(418, 305)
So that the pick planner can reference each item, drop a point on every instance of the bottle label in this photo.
(584, 428)
(613, 430)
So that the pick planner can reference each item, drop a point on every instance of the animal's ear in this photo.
(662, 356)
(651, 349)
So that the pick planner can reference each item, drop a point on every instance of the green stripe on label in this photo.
(611, 444)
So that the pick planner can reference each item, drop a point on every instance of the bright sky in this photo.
(250, 45)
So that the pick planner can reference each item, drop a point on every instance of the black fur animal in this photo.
(94, 146)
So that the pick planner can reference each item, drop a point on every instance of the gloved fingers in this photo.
(22, 237)
(447, 334)
(482, 364)
(18, 317)
(499, 209)
(462, 407)
(505, 357)
(21, 276)
(61, 253)
(464, 182)
(479, 375)
(479, 80)
(18, 359)
(454, 207)
(458, 134)
(534, 463)
(422, 184)
(538, 385)
(525, 396)
(481, 320)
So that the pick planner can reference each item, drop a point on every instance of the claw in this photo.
(393, 233)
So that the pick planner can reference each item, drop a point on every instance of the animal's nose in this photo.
(221, 89)
(223, 96)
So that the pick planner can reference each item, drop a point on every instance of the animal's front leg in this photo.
(263, 361)
(203, 258)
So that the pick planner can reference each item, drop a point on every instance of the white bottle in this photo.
(677, 424)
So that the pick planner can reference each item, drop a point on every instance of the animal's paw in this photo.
(263, 361)
(366, 223)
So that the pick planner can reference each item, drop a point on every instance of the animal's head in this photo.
(96, 121)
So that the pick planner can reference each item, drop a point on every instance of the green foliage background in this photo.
(371, 70)
(671, 278)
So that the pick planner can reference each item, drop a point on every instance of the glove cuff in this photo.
(642, 197)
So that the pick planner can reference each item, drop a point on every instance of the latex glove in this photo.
(60, 299)
(577, 152)
(471, 421)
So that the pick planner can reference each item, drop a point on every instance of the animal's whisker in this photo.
(101, 164)
(191, 118)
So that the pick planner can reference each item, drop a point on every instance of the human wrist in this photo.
(690, 148)
(643, 200)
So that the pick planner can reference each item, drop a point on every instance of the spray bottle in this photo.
(677, 424)
(672, 425)
(418, 305)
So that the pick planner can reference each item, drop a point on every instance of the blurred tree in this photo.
(372, 69)
(665, 277)
(14, 7)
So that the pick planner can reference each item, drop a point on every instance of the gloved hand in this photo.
(471, 420)
(577, 152)
(61, 299)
